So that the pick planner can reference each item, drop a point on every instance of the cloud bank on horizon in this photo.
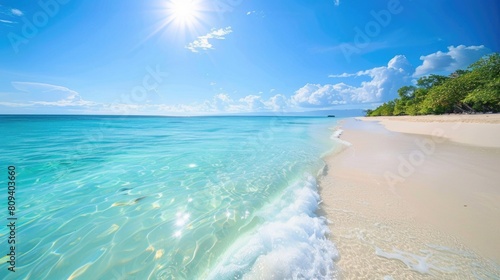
(223, 59)
(382, 85)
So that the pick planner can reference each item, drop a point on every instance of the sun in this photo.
(184, 13)
(181, 19)
(184, 10)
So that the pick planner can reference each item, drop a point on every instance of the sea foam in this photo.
(291, 244)
(418, 263)
(336, 137)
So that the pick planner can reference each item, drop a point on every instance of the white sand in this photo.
(413, 206)
(477, 130)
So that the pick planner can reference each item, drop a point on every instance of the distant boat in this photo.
(331, 116)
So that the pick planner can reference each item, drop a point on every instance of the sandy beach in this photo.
(416, 197)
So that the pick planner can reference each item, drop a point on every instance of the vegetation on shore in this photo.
(475, 90)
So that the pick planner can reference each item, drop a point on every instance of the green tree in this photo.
(399, 107)
(487, 67)
(448, 96)
(458, 73)
(427, 82)
(486, 96)
(474, 89)
(407, 92)
(405, 100)
(386, 109)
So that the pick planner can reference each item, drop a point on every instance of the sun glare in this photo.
(183, 10)
(184, 13)
(181, 18)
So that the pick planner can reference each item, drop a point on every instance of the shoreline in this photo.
(420, 205)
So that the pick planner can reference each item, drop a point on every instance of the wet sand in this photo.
(415, 206)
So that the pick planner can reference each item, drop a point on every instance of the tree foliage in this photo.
(476, 89)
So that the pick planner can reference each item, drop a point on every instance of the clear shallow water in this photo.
(168, 198)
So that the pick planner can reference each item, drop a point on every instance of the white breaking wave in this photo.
(336, 136)
(337, 133)
(291, 244)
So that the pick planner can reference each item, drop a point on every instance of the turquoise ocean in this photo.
(101, 197)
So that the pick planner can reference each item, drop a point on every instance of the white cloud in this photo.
(17, 12)
(343, 75)
(6, 21)
(253, 103)
(13, 104)
(10, 14)
(32, 94)
(256, 13)
(456, 58)
(278, 103)
(384, 82)
(220, 103)
(383, 85)
(378, 84)
(336, 2)
(250, 103)
(316, 95)
(203, 43)
(36, 95)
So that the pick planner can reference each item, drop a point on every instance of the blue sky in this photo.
(182, 57)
